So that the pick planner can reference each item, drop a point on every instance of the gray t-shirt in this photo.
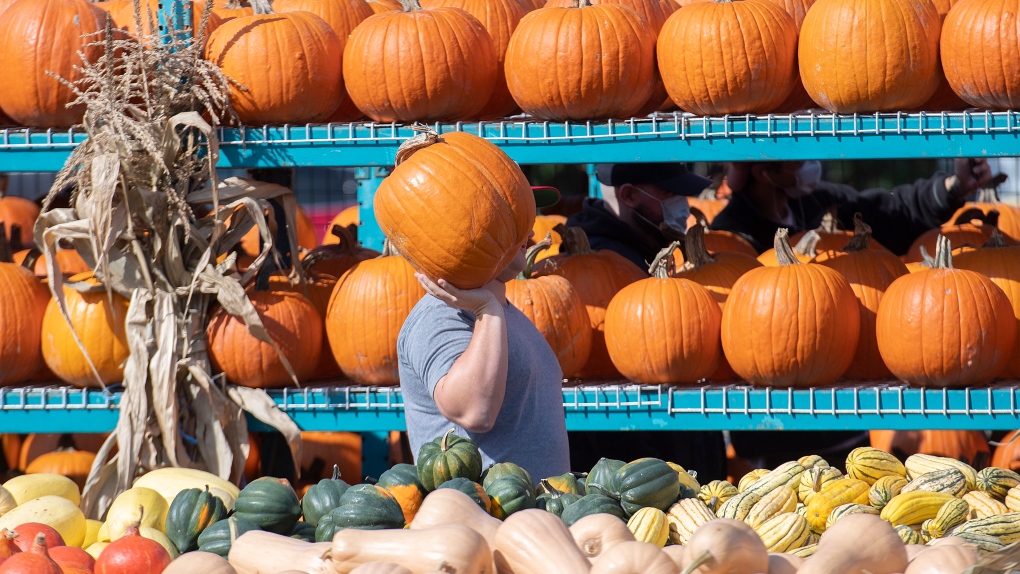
(530, 429)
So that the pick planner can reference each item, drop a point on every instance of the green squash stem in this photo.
(532, 254)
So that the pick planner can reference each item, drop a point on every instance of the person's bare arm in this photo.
(471, 393)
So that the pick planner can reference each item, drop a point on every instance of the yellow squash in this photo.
(870, 464)
(913, 508)
(649, 525)
(138, 504)
(835, 493)
(54, 511)
(31, 486)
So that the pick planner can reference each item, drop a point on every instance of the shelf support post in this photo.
(369, 179)
(174, 20)
(594, 188)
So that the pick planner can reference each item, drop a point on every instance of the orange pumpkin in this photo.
(717, 273)
(549, 224)
(708, 207)
(287, 64)
(500, 18)
(979, 50)
(869, 55)
(99, 325)
(987, 201)
(597, 277)
(798, 98)
(336, 257)
(18, 212)
(831, 237)
(1001, 264)
(870, 272)
(349, 216)
(123, 16)
(69, 262)
(321, 450)
(307, 238)
(604, 56)
(945, 327)
(744, 51)
(39, 38)
(556, 309)
(368, 307)
(229, 9)
(22, 308)
(959, 235)
(720, 241)
(970, 447)
(431, 64)
(290, 320)
(1007, 453)
(795, 325)
(343, 16)
(679, 325)
(385, 6)
(804, 250)
(447, 228)
(72, 463)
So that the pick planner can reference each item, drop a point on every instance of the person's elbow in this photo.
(477, 420)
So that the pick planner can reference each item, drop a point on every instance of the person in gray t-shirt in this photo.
(471, 361)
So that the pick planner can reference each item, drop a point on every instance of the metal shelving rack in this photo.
(620, 405)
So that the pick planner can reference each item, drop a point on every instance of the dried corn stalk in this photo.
(149, 216)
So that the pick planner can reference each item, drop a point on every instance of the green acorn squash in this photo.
(602, 478)
(472, 489)
(647, 482)
(220, 536)
(303, 531)
(446, 457)
(508, 495)
(553, 500)
(507, 469)
(270, 503)
(592, 504)
(363, 507)
(403, 483)
(565, 483)
(192, 511)
(323, 497)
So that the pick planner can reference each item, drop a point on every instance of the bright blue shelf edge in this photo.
(604, 407)
(671, 137)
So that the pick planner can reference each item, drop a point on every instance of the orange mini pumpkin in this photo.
(945, 327)
(598, 276)
(21, 213)
(366, 311)
(604, 57)
(290, 320)
(456, 206)
(678, 322)
(960, 235)
(795, 325)
(870, 272)
(431, 64)
(288, 65)
(743, 55)
(556, 309)
(100, 327)
(870, 55)
(22, 307)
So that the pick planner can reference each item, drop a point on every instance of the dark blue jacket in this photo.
(606, 231)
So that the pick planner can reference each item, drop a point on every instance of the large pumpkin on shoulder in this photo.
(464, 234)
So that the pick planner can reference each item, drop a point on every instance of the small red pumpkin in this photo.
(71, 559)
(35, 560)
(132, 554)
(27, 532)
(7, 546)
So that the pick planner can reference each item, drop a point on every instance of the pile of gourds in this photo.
(299, 61)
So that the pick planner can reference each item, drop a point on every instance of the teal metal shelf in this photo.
(663, 137)
(607, 407)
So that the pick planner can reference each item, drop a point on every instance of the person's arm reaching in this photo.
(471, 393)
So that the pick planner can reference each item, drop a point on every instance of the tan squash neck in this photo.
(784, 253)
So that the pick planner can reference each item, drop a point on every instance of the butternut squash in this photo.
(596, 533)
(780, 563)
(198, 561)
(380, 568)
(450, 506)
(257, 552)
(725, 546)
(633, 558)
(944, 559)
(858, 544)
(537, 542)
(454, 547)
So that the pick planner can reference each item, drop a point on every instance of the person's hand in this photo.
(477, 301)
(971, 175)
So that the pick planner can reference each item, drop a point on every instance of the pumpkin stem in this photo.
(348, 242)
(582, 3)
(262, 277)
(703, 558)
(532, 254)
(575, 241)
(926, 259)
(662, 265)
(262, 7)
(10, 534)
(444, 566)
(550, 488)
(426, 135)
(410, 5)
(996, 240)
(808, 245)
(943, 253)
(830, 223)
(670, 233)
(336, 472)
(784, 253)
(862, 235)
(697, 255)
(446, 437)
(388, 250)
(6, 255)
